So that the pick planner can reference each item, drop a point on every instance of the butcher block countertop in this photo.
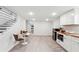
(69, 34)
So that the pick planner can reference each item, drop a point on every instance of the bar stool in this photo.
(16, 37)
(24, 33)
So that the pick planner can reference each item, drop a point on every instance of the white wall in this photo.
(45, 28)
(56, 23)
(42, 28)
(6, 39)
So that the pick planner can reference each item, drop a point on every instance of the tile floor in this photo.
(39, 44)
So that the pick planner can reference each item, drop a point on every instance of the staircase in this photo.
(7, 18)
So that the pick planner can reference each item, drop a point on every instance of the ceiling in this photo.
(40, 12)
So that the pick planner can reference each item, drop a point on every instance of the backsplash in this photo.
(72, 28)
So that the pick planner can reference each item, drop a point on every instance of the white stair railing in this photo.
(7, 18)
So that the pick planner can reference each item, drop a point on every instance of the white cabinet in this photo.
(70, 17)
(75, 44)
(75, 47)
(67, 43)
(62, 20)
(70, 43)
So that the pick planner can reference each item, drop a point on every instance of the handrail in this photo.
(4, 8)
(6, 16)
(9, 16)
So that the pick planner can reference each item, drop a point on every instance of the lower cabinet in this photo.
(75, 46)
(69, 44)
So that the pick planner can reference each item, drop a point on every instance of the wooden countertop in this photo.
(69, 34)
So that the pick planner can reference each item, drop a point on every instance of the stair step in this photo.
(1, 31)
(3, 28)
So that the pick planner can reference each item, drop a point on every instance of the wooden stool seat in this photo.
(16, 37)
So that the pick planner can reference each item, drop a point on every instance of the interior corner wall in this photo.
(6, 38)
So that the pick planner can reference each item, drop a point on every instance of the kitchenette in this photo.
(66, 34)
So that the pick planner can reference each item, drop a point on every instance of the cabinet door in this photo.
(75, 46)
(71, 44)
(67, 43)
(67, 18)
(62, 20)
(77, 16)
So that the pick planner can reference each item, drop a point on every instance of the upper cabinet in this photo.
(71, 17)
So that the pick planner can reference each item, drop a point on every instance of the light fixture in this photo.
(33, 19)
(47, 19)
(54, 13)
(72, 14)
(31, 13)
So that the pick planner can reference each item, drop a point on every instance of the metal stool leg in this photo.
(25, 42)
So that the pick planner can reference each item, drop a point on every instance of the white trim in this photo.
(16, 43)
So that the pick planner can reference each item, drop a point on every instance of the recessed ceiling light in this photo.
(31, 13)
(72, 14)
(47, 19)
(33, 19)
(54, 13)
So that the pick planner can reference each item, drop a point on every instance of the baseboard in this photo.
(16, 43)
